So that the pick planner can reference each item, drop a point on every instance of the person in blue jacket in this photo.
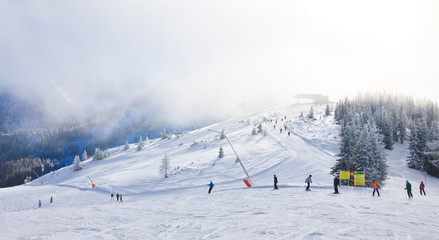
(308, 181)
(210, 186)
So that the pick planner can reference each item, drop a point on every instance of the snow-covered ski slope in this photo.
(179, 207)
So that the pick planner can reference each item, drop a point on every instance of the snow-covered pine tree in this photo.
(260, 128)
(96, 155)
(418, 144)
(165, 166)
(327, 110)
(432, 158)
(126, 146)
(383, 122)
(221, 152)
(369, 155)
(431, 153)
(379, 161)
(349, 134)
(164, 134)
(76, 164)
(99, 155)
(84, 155)
(402, 125)
(222, 136)
(140, 145)
(311, 113)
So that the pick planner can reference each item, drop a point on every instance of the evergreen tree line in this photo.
(373, 122)
(14, 172)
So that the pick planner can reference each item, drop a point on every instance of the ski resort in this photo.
(228, 120)
(179, 206)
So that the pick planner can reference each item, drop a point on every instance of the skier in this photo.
(51, 199)
(112, 196)
(408, 187)
(336, 184)
(39, 203)
(275, 182)
(120, 197)
(308, 181)
(117, 196)
(375, 186)
(421, 188)
(210, 186)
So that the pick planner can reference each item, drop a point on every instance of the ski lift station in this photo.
(313, 98)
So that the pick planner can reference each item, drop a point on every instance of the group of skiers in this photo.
(118, 197)
(408, 187)
(374, 185)
(40, 203)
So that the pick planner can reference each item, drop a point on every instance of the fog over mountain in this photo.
(189, 60)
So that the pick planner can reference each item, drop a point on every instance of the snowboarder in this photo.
(39, 203)
(375, 187)
(408, 187)
(308, 181)
(112, 196)
(336, 184)
(210, 186)
(51, 199)
(275, 182)
(117, 197)
(421, 188)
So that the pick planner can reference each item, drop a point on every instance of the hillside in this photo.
(179, 207)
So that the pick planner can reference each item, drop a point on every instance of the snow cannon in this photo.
(92, 183)
(248, 182)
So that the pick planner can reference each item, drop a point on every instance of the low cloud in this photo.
(194, 59)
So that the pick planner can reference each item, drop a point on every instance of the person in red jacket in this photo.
(421, 188)
(375, 186)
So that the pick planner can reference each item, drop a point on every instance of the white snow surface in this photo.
(179, 207)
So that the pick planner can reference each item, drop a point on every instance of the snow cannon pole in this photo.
(239, 160)
(92, 183)
(37, 175)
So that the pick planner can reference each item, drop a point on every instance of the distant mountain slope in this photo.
(196, 154)
(26, 131)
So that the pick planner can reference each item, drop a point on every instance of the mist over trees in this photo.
(372, 122)
(27, 133)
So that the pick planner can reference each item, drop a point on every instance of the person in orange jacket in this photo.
(375, 187)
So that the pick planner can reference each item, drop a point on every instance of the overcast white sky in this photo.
(195, 56)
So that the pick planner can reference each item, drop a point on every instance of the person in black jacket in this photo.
(336, 184)
(275, 182)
